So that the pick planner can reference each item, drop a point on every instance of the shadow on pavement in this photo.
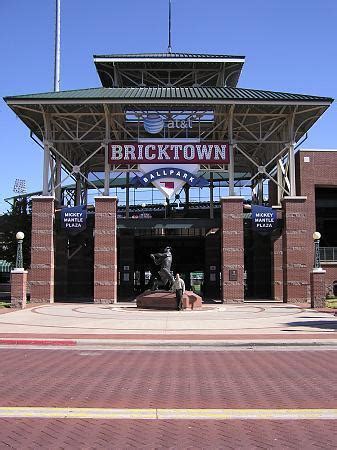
(322, 324)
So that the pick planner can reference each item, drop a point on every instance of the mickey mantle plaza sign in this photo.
(169, 153)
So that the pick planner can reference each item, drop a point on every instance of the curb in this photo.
(157, 344)
(47, 342)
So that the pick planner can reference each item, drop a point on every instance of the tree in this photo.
(18, 218)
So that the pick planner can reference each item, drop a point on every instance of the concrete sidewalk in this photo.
(123, 323)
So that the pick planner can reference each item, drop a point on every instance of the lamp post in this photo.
(317, 277)
(19, 256)
(19, 277)
(317, 260)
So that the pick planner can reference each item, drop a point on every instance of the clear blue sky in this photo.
(290, 45)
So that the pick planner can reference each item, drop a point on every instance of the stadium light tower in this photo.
(20, 186)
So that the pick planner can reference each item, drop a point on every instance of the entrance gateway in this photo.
(169, 152)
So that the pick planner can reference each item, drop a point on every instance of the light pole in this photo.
(19, 256)
(317, 260)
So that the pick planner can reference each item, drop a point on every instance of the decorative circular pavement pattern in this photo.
(123, 318)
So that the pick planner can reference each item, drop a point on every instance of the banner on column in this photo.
(264, 219)
(74, 219)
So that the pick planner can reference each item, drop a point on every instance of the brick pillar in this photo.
(277, 269)
(42, 251)
(232, 249)
(18, 288)
(105, 250)
(295, 250)
(318, 289)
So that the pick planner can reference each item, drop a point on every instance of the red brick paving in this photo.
(171, 379)
(32, 434)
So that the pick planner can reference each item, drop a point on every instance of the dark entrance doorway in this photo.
(74, 263)
(258, 264)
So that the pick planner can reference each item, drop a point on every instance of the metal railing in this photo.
(328, 254)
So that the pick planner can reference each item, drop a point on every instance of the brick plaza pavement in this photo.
(204, 379)
(32, 434)
(174, 379)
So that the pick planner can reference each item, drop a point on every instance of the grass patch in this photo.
(5, 305)
(331, 303)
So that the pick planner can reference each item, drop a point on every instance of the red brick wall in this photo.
(296, 272)
(42, 250)
(232, 246)
(330, 275)
(320, 170)
(105, 250)
(317, 282)
(18, 289)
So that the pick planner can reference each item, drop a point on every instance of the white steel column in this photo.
(292, 176)
(46, 154)
(260, 190)
(106, 152)
(127, 196)
(106, 171)
(78, 190)
(291, 157)
(231, 153)
(211, 196)
(46, 165)
(279, 183)
(58, 170)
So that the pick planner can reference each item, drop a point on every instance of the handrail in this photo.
(328, 254)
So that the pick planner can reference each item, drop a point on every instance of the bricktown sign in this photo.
(177, 152)
(186, 157)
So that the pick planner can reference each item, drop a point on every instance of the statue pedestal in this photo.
(167, 300)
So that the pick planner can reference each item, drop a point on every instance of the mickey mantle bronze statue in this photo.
(165, 262)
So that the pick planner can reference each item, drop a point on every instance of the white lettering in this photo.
(140, 151)
(176, 149)
(219, 153)
(129, 151)
(116, 152)
(189, 152)
(147, 151)
(162, 154)
(204, 152)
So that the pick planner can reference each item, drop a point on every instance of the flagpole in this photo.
(169, 30)
(57, 75)
(57, 46)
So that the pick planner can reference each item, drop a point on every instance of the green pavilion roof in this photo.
(168, 56)
(153, 94)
